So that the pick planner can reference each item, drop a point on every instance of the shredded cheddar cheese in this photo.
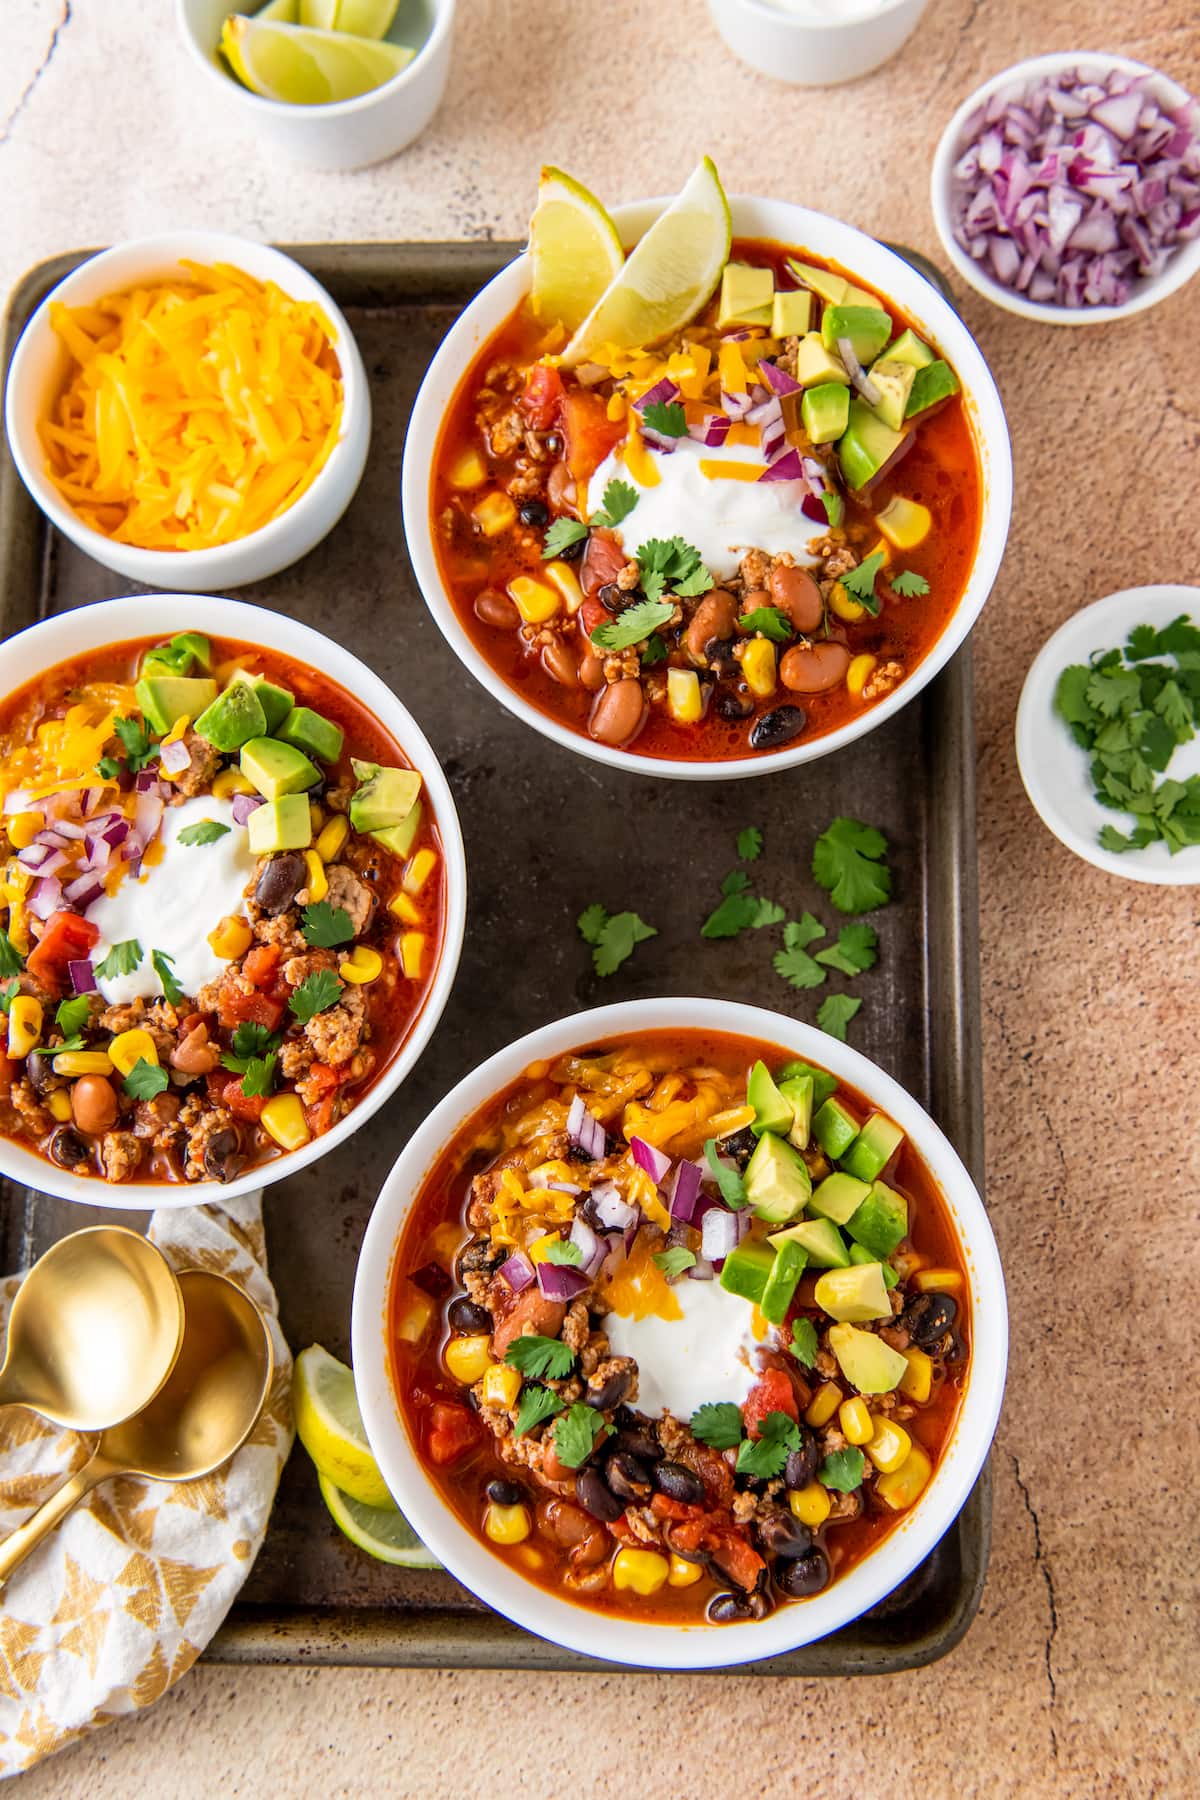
(194, 411)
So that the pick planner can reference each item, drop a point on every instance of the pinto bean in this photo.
(602, 562)
(618, 713)
(197, 1054)
(755, 599)
(532, 1312)
(795, 592)
(560, 488)
(559, 663)
(591, 672)
(813, 668)
(713, 618)
(93, 1103)
(497, 609)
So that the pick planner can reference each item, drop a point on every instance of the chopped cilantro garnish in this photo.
(674, 1261)
(162, 966)
(8, 993)
(207, 831)
(836, 1013)
(908, 584)
(145, 1080)
(591, 922)
(641, 620)
(804, 1342)
(613, 937)
(857, 948)
(793, 962)
(655, 652)
(251, 1043)
(765, 1456)
(843, 1470)
(847, 862)
(136, 743)
(122, 959)
(666, 417)
(259, 1078)
(672, 563)
(108, 768)
(11, 960)
(564, 1251)
(561, 535)
(860, 583)
(718, 1424)
(740, 910)
(749, 844)
(537, 1404)
(316, 994)
(72, 1015)
(575, 1433)
(729, 1181)
(324, 925)
(538, 1357)
(75, 1042)
(767, 912)
(618, 502)
(770, 622)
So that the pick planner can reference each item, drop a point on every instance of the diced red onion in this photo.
(244, 805)
(712, 432)
(558, 1281)
(99, 850)
(89, 800)
(147, 816)
(175, 757)
(735, 406)
(117, 832)
(701, 1270)
(777, 379)
(146, 782)
(787, 467)
(720, 1232)
(774, 440)
(660, 440)
(653, 1161)
(83, 890)
(44, 896)
(83, 976)
(857, 373)
(663, 393)
(812, 508)
(67, 828)
(765, 412)
(683, 1192)
(517, 1271)
(593, 1249)
(609, 1209)
(586, 1132)
(35, 854)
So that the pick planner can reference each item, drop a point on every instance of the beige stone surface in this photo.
(1081, 1675)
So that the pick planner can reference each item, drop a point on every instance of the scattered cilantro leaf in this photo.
(538, 1357)
(575, 1433)
(770, 622)
(145, 1080)
(718, 1424)
(8, 993)
(1141, 644)
(136, 742)
(618, 937)
(72, 1015)
(860, 583)
(749, 844)
(674, 1261)
(736, 882)
(537, 1404)
(75, 1042)
(767, 912)
(1179, 637)
(252, 1039)
(639, 621)
(847, 861)
(856, 949)
(122, 959)
(836, 1013)
(259, 1078)
(843, 1470)
(729, 1181)
(1111, 691)
(1174, 711)
(804, 1342)
(561, 535)
(737, 911)
(316, 994)
(564, 1251)
(618, 502)
(161, 963)
(325, 926)
(591, 922)
(671, 563)
(802, 932)
(795, 964)
(655, 652)
(908, 583)
(666, 417)
(765, 1456)
(206, 831)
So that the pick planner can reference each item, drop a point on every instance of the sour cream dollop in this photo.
(722, 519)
(175, 903)
(706, 1355)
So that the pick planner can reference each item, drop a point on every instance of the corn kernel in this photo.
(535, 602)
(412, 953)
(467, 1358)
(58, 1104)
(18, 929)
(25, 1019)
(494, 513)
(232, 938)
(230, 782)
(415, 1315)
(854, 1417)
(758, 666)
(507, 1524)
(501, 1385)
(824, 1404)
(882, 548)
(283, 1117)
(402, 906)
(905, 523)
(917, 1381)
(529, 1555)
(682, 1573)
(843, 605)
(901, 1487)
(683, 696)
(615, 410)
(468, 470)
(362, 966)
(889, 1446)
(642, 1570)
(23, 828)
(567, 582)
(857, 675)
(937, 1281)
(316, 817)
(418, 871)
(811, 1504)
(316, 880)
(82, 1062)
(332, 837)
(129, 1047)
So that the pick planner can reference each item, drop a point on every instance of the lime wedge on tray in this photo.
(305, 67)
(669, 275)
(330, 1427)
(382, 1531)
(574, 249)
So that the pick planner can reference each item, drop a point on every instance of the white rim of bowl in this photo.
(1181, 266)
(139, 563)
(224, 617)
(919, 297)
(625, 1640)
(1035, 710)
(333, 109)
(868, 11)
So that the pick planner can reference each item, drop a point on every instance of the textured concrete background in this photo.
(1081, 1675)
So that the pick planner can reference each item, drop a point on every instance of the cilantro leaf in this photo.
(666, 417)
(769, 621)
(641, 620)
(252, 1039)
(736, 882)
(749, 844)
(538, 1357)
(564, 1251)
(72, 1015)
(1179, 637)
(72, 1043)
(618, 502)
(324, 926)
(836, 1013)
(136, 743)
(797, 966)
(655, 652)
(561, 535)
(843, 1470)
(537, 1404)
(674, 1261)
(122, 959)
(1141, 643)
(737, 911)
(575, 1433)
(591, 922)
(847, 863)
(802, 932)
(860, 583)
(1070, 697)
(108, 768)
(206, 831)
(1113, 691)
(804, 1342)
(908, 583)
(1174, 711)
(145, 1080)
(8, 993)
(316, 994)
(729, 1181)
(856, 949)
(259, 1078)
(161, 963)
(767, 912)
(765, 1456)
(718, 1424)
(835, 506)
(1112, 839)
(617, 939)
(670, 562)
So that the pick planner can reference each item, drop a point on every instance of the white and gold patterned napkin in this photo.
(121, 1599)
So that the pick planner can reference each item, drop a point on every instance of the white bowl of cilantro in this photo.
(1106, 738)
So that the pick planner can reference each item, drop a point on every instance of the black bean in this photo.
(535, 513)
(67, 1148)
(478, 1258)
(223, 1157)
(802, 1464)
(595, 1497)
(39, 1068)
(741, 1146)
(803, 1575)
(781, 1535)
(689, 1555)
(929, 1317)
(280, 882)
(572, 552)
(467, 1315)
(609, 1392)
(611, 597)
(718, 654)
(954, 1350)
(636, 1441)
(505, 1493)
(679, 1483)
(778, 727)
(627, 1476)
(730, 704)
(732, 1609)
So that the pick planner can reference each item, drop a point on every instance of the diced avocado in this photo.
(937, 382)
(824, 282)
(856, 296)
(838, 1197)
(859, 1255)
(791, 1259)
(908, 348)
(881, 1222)
(283, 824)
(399, 839)
(197, 646)
(233, 718)
(825, 411)
(835, 1128)
(313, 733)
(771, 1110)
(865, 445)
(746, 295)
(791, 312)
(777, 1182)
(854, 1295)
(821, 1238)
(873, 1148)
(276, 702)
(383, 797)
(166, 659)
(277, 769)
(894, 381)
(867, 327)
(815, 364)
(747, 1269)
(824, 1084)
(798, 1092)
(868, 1364)
(165, 698)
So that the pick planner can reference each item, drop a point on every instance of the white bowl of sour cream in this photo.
(816, 43)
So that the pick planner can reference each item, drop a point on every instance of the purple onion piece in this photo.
(67, 828)
(611, 1212)
(244, 805)
(586, 1132)
(719, 1234)
(701, 1270)
(683, 1192)
(663, 393)
(175, 757)
(593, 1249)
(653, 1161)
(83, 890)
(34, 855)
(778, 380)
(787, 467)
(44, 896)
(558, 1281)
(83, 976)
(517, 1271)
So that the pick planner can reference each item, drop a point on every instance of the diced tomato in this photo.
(542, 396)
(625, 1534)
(8, 1071)
(452, 1431)
(67, 938)
(255, 1009)
(666, 1508)
(590, 433)
(602, 562)
(226, 1090)
(735, 1557)
(260, 964)
(690, 1534)
(321, 1116)
(324, 1079)
(772, 1393)
(592, 614)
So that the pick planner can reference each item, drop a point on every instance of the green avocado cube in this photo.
(822, 1240)
(282, 824)
(776, 1179)
(771, 1111)
(233, 718)
(197, 646)
(824, 282)
(835, 1128)
(166, 659)
(383, 797)
(868, 329)
(895, 382)
(791, 312)
(855, 1294)
(791, 1260)
(936, 382)
(908, 348)
(868, 1364)
(399, 839)
(825, 411)
(277, 769)
(860, 1255)
(276, 702)
(838, 1197)
(165, 698)
(872, 1149)
(313, 733)
(824, 1084)
(747, 1269)
(798, 1091)
(815, 364)
(746, 295)
(881, 1222)
(865, 445)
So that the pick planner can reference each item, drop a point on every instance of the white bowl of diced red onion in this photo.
(1067, 188)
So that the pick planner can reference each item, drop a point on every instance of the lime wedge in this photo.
(668, 277)
(321, 13)
(284, 12)
(366, 18)
(304, 67)
(329, 1425)
(381, 1531)
(574, 248)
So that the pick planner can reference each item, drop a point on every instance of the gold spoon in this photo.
(203, 1413)
(94, 1330)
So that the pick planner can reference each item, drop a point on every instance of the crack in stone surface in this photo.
(1039, 1557)
(27, 91)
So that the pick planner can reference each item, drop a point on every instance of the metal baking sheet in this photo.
(547, 833)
